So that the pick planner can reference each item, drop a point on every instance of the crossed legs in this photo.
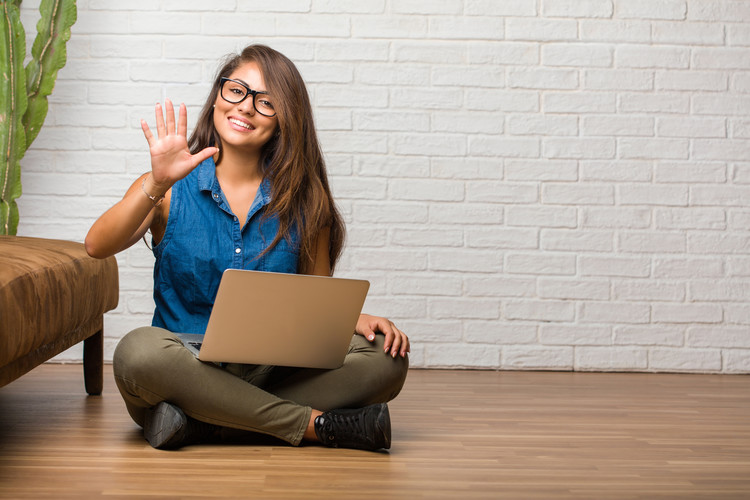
(151, 365)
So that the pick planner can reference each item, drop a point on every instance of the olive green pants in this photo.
(151, 365)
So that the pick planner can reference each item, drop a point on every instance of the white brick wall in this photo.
(528, 184)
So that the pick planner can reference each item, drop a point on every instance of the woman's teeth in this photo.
(241, 124)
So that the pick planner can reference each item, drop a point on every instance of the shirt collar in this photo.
(207, 181)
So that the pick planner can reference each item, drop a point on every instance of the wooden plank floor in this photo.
(457, 434)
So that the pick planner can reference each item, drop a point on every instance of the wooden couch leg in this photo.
(93, 363)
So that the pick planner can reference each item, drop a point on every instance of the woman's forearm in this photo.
(123, 224)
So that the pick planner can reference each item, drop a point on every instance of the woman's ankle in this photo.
(310, 434)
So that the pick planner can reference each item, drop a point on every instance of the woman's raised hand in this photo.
(170, 156)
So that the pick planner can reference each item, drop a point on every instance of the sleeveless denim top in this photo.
(202, 239)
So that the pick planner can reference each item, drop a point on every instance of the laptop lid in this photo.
(283, 319)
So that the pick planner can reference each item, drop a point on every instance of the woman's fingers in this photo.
(401, 345)
(392, 341)
(165, 128)
(161, 130)
(202, 155)
(405, 344)
(147, 132)
(396, 341)
(182, 121)
(170, 117)
(171, 159)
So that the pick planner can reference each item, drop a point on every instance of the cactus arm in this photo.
(13, 103)
(48, 56)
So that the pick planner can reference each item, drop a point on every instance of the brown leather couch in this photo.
(52, 296)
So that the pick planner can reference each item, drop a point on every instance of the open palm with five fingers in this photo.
(171, 159)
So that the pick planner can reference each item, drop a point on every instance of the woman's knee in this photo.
(141, 349)
(384, 373)
(396, 372)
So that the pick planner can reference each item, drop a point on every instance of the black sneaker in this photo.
(167, 427)
(367, 428)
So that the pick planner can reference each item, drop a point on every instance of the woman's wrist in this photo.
(154, 192)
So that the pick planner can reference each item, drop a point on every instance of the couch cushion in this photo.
(49, 288)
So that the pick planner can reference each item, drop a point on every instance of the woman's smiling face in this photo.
(240, 125)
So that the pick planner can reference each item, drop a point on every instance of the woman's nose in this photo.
(247, 106)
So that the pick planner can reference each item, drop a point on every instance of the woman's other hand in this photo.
(170, 156)
(396, 341)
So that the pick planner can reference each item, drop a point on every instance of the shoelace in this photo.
(342, 427)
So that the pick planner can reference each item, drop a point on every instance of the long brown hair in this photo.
(292, 161)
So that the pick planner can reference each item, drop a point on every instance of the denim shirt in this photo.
(202, 239)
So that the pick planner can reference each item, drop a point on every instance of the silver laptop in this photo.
(280, 319)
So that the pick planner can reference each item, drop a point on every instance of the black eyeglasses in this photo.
(235, 92)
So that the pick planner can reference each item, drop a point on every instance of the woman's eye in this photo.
(266, 103)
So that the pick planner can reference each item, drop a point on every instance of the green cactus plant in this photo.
(24, 91)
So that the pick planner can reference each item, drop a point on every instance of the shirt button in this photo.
(237, 250)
